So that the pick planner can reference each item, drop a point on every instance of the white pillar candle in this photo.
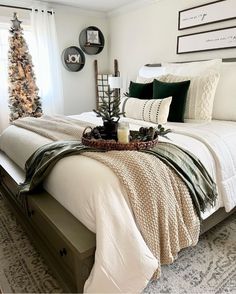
(123, 133)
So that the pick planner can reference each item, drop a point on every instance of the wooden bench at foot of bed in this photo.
(67, 246)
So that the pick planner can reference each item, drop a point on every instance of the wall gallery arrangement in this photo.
(222, 38)
(91, 42)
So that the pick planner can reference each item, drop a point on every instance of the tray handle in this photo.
(84, 132)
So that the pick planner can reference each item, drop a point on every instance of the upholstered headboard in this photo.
(224, 107)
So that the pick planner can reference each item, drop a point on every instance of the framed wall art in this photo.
(93, 36)
(209, 40)
(207, 13)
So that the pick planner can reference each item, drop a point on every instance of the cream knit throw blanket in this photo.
(54, 127)
(159, 199)
(160, 202)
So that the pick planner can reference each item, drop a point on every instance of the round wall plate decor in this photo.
(91, 40)
(73, 58)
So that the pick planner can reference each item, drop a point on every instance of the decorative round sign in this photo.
(73, 58)
(91, 40)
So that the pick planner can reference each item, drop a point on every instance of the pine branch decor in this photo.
(109, 110)
(23, 91)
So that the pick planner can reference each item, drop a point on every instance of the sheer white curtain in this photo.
(4, 111)
(47, 60)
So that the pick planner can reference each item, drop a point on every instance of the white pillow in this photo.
(224, 107)
(151, 71)
(200, 96)
(193, 68)
(147, 74)
(151, 110)
(144, 80)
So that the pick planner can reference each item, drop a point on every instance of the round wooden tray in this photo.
(114, 145)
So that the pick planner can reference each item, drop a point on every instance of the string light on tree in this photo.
(23, 91)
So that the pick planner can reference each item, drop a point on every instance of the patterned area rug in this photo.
(209, 267)
(22, 270)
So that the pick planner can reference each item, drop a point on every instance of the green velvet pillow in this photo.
(141, 91)
(178, 92)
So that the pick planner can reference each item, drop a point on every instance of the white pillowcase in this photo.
(200, 96)
(144, 80)
(151, 110)
(147, 74)
(193, 68)
(151, 71)
(224, 107)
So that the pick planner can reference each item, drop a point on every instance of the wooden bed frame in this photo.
(66, 244)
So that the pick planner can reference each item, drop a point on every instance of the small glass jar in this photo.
(123, 132)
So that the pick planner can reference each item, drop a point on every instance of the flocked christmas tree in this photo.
(23, 92)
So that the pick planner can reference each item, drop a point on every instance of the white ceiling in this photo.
(98, 5)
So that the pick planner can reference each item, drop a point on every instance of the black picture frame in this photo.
(93, 37)
(208, 13)
(223, 38)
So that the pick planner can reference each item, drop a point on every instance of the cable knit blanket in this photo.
(160, 201)
(159, 198)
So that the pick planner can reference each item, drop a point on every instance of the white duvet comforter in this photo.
(93, 194)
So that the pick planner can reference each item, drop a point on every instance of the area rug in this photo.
(22, 269)
(209, 267)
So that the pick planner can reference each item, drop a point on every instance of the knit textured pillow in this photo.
(151, 110)
(200, 96)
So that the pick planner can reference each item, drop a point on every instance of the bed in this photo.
(83, 195)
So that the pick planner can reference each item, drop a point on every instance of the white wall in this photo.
(149, 34)
(79, 87)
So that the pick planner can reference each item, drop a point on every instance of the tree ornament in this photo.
(16, 23)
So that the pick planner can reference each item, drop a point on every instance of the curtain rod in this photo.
(24, 8)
